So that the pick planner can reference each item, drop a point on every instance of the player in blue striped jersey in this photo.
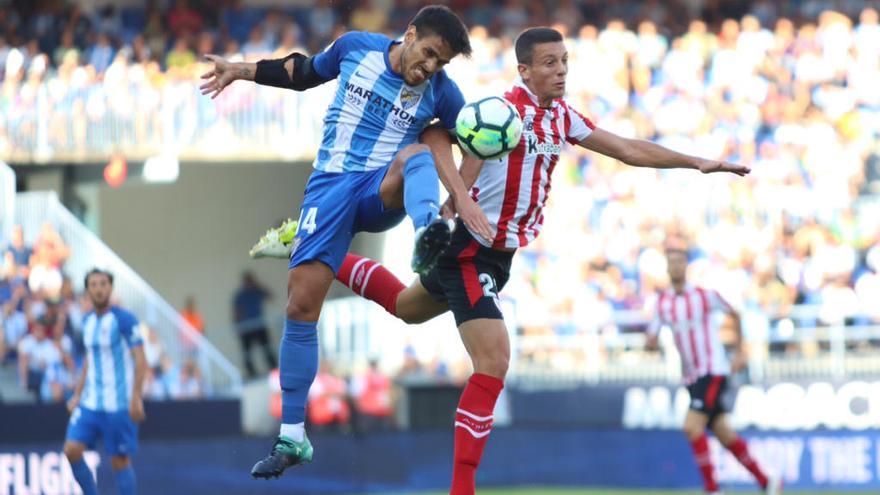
(370, 171)
(107, 401)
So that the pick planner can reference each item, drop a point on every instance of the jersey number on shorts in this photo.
(489, 289)
(307, 220)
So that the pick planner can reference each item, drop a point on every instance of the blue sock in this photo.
(299, 365)
(83, 476)
(125, 482)
(421, 193)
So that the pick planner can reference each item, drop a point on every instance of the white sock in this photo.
(296, 432)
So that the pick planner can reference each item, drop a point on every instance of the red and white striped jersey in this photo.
(688, 315)
(512, 190)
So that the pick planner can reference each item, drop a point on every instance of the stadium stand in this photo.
(788, 87)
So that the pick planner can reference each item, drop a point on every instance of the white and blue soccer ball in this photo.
(489, 128)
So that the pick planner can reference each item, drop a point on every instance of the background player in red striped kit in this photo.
(687, 310)
(512, 192)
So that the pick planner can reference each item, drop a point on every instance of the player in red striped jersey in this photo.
(687, 310)
(512, 191)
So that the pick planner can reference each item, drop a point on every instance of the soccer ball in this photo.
(489, 128)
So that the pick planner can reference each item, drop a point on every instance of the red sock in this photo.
(741, 451)
(473, 422)
(700, 447)
(369, 279)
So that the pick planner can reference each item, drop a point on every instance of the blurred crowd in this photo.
(787, 87)
(41, 339)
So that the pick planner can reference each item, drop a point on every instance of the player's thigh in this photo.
(82, 429)
(326, 220)
(416, 305)
(120, 434)
(374, 212)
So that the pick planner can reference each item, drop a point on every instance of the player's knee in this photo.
(73, 452)
(693, 431)
(409, 151)
(302, 307)
(492, 364)
(118, 462)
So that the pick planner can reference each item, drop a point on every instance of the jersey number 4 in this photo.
(307, 220)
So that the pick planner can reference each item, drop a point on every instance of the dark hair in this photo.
(439, 20)
(526, 41)
(97, 271)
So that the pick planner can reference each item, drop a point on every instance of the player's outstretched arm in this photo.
(468, 210)
(225, 73)
(640, 153)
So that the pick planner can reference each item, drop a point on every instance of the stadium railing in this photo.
(353, 330)
(221, 377)
(246, 122)
(7, 200)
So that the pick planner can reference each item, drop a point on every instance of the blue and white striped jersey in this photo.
(108, 339)
(375, 113)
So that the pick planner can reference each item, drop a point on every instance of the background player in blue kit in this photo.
(107, 402)
(369, 165)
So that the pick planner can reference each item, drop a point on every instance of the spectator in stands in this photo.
(181, 58)
(371, 391)
(183, 20)
(191, 385)
(38, 352)
(15, 328)
(257, 47)
(101, 53)
(58, 378)
(191, 315)
(327, 408)
(21, 252)
(250, 322)
(51, 246)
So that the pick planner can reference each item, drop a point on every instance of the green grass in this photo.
(599, 491)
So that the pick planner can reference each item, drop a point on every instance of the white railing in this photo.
(247, 122)
(88, 251)
(7, 200)
(354, 329)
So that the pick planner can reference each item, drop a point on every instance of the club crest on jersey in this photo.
(408, 98)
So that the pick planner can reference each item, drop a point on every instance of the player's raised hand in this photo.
(218, 78)
(711, 166)
(474, 218)
(136, 410)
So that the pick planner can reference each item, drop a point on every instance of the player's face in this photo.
(546, 74)
(423, 57)
(676, 265)
(99, 289)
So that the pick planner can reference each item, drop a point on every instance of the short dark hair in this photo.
(97, 271)
(440, 20)
(526, 41)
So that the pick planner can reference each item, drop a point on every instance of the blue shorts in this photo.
(336, 206)
(117, 430)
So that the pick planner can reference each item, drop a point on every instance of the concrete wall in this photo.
(192, 236)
